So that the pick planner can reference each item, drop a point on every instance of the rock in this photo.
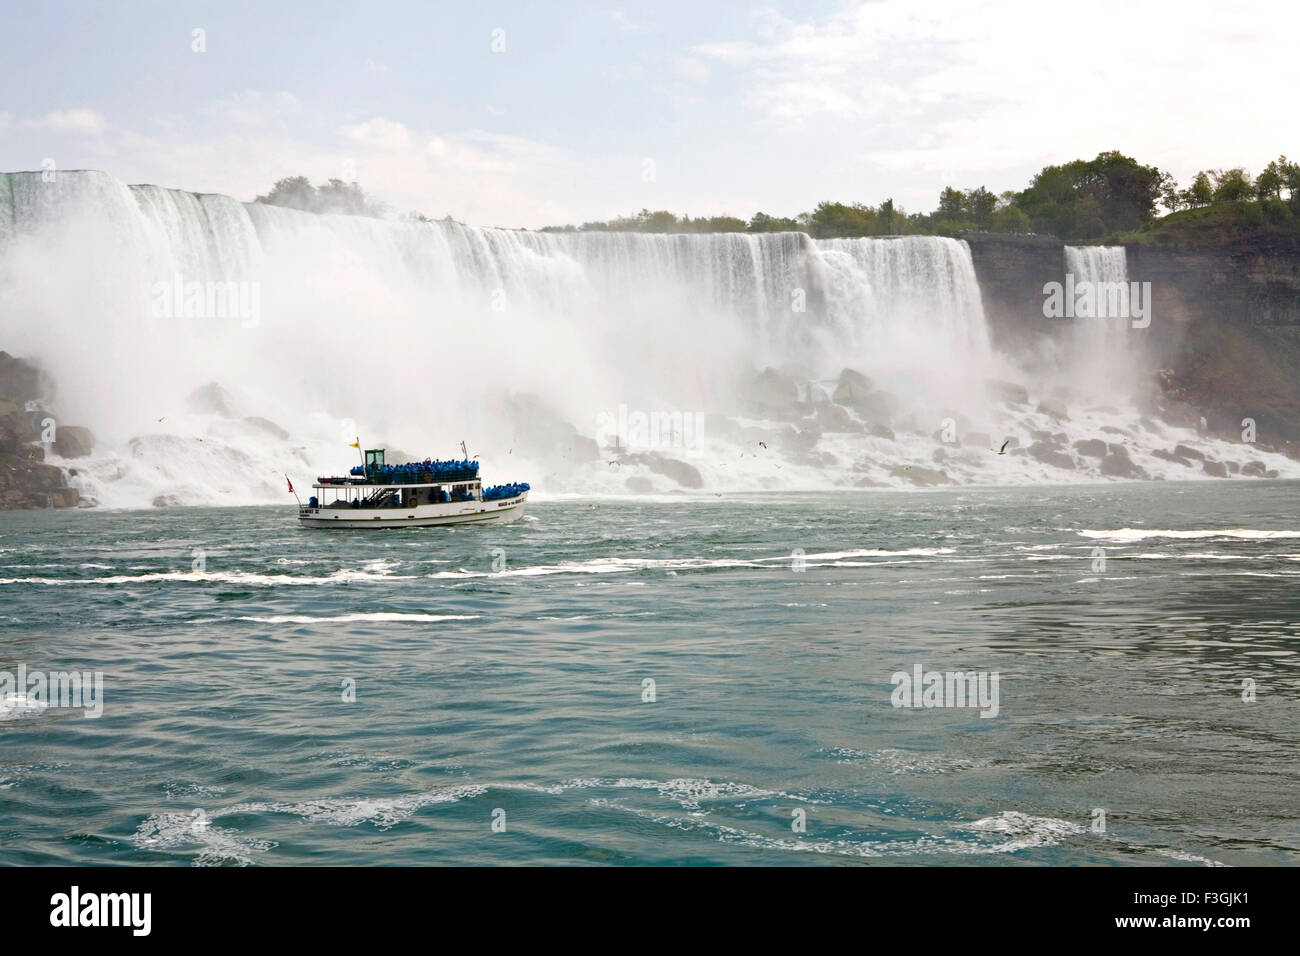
(883, 431)
(73, 441)
(20, 381)
(1179, 414)
(268, 426)
(920, 475)
(1233, 468)
(851, 388)
(1119, 465)
(1007, 391)
(1170, 456)
(1112, 430)
(166, 501)
(211, 399)
(1053, 410)
(1215, 469)
(1049, 455)
(836, 418)
(1092, 447)
(1253, 469)
(773, 393)
(543, 435)
(1185, 451)
(688, 476)
(639, 484)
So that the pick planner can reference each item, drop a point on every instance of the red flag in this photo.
(286, 478)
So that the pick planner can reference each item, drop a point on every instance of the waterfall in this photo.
(1097, 263)
(1102, 349)
(413, 331)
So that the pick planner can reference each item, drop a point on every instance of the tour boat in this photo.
(411, 495)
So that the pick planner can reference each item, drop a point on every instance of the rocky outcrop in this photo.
(26, 481)
(1224, 339)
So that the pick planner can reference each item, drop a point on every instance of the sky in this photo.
(530, 114)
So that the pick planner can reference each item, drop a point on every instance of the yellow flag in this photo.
(356, 445)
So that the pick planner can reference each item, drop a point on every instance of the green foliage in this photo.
(762, 222)
(1086, 199)
(1232, 185)
(333, 196)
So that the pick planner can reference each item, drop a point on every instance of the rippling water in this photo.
(499, 676)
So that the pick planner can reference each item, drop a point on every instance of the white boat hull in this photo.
(419, 516)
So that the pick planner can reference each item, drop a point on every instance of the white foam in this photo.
(18, 706)
(1141, 534)
(377, 616)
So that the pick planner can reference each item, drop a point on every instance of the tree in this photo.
(1200, 192)
(1089, 198)
(981, 203)
(1231, 185)
(762, 222)
(336, 196)
(952, 205)
(1009, 219)
(832, 219)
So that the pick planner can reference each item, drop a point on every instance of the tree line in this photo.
(1082, 199)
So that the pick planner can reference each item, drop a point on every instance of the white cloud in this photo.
(70, 121)
(986, 86)
(378, 133)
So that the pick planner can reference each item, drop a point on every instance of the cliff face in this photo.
(1224, 340)
(1012, 271)
(25, 480)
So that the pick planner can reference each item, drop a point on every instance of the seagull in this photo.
(614, 463)
(1003, 449)
(162, 418)
(763, 443)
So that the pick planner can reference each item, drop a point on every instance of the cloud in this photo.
(625, 25)
(378, 133)
(70, 121)
(997, 85)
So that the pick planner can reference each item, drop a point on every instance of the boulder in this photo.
(883, 431)
(1092, 447)
(211, 399)
(1215, 469)
(851, 388)
(270, 427)
(1049, 454)
(1186, 451)
(73, 441)
(920, 475)
(688, 476)
(1118, 464)
(1007, 391)
(1053, 410)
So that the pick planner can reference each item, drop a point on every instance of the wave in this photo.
(1142, 534)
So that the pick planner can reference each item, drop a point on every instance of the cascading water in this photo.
(420, 334)
(1103, 345)
(414, 330)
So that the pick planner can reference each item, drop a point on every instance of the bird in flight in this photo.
(763, 444)
(1003, 449)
